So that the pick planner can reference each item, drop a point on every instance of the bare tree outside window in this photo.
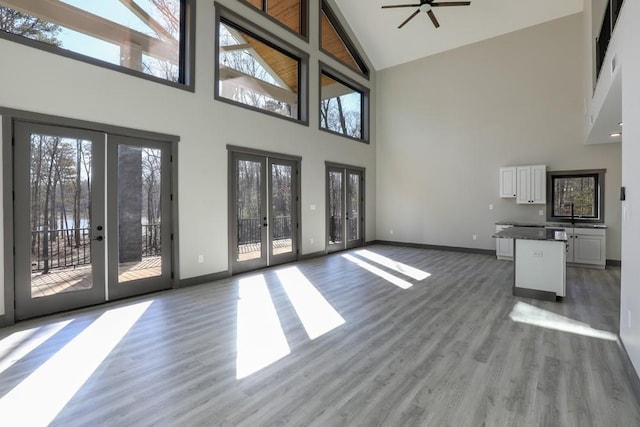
(340, 108)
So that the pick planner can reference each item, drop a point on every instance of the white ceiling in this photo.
(386, 45)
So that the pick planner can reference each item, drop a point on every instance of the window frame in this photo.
(228, 17)
(364, 101)
(598, 174)
(187, 52)
(304, 18)
(342, 33)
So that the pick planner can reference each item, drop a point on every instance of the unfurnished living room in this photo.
(319, 213)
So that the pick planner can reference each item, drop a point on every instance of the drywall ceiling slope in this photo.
(387, 46)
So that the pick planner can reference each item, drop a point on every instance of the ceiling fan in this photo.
(425, 6)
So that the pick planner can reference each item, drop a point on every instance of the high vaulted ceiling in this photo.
(386, 45)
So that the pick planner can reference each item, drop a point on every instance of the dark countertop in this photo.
(549, 224)
(532, 233)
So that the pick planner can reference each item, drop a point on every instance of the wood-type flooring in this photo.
(378, 336)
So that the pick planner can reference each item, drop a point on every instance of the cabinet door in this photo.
(570, 246)
(508, 183)
(504, 247)
(538, 176)
(523, 185)
(589, 249)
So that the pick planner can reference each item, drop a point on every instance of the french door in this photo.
(91, 218)
(264, 218)
(345, 207)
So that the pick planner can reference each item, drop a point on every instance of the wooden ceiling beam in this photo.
(252, 83)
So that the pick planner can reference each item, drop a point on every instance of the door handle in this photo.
(99, 238)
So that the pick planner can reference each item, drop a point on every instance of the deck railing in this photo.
(71, 247)
(250, 229)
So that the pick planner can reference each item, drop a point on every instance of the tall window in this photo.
(343, 106)
(256, 70)
(335, 42)
(576, 196)
(292, 14)
(144, 37)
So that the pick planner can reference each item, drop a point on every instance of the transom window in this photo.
(576, 196)
(147, 37)
(292, 14)
(335, 42)
(257, 70)
(343, 105)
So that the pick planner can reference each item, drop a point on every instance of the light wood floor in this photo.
(441, 351)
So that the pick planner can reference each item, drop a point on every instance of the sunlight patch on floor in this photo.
(316, 313)
(532, 315)
(401, 283)
(40, 397)
(19, 344)
(260, 338)
(399, 267)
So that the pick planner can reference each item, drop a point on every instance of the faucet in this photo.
(573, 218)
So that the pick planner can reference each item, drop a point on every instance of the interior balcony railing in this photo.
(606, 30)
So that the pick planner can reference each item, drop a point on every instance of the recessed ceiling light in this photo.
(615, 134)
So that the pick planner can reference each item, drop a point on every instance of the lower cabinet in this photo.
(504, 247)
(587, 247)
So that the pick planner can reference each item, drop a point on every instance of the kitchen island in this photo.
(539, 261)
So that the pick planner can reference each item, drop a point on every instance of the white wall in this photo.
(447, 123)
(1, 231)
(625, 46)
(37, 81)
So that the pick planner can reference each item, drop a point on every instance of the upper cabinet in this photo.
(527, 184)
(508, 183)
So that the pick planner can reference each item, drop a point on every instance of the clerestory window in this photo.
(256, 70)
(344, 105)
(146, 38)
(291, 14)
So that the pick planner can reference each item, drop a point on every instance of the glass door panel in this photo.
(283, 223)
(353, 206)
(335, 225)
(249, 212)
(139, 216)
(139, 213)
(60, 243)
(345, 208)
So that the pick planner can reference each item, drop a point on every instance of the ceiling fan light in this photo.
(425, 7)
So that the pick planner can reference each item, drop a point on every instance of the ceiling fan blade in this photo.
(433, 18)
(451, 3)
(413, 15)
(400, 5)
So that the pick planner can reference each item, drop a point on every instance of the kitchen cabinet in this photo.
(504, 247)
(587, 247)
(531, 185)
(526, 184)
(508, 183)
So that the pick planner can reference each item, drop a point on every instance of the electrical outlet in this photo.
(391, 231)
(490, 207)
(200, 259)
(311, 241)
(312, 207)
(475, 237)
(541, 212)
(537, 254)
